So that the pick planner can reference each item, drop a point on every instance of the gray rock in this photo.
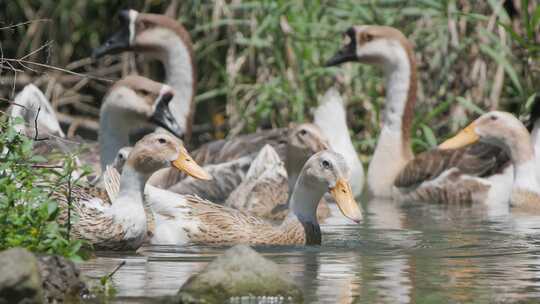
(61, 279)
(240, 274)
(20, 281)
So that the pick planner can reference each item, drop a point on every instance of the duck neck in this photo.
(303, 203)
(128, 207)
(114, 127)
(393, 149)
(178, 62)
(523, 158)
(535, 139)
(132, 185)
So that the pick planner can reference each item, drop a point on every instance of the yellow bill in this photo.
(185, 163)
(465, 137)
(342, 193)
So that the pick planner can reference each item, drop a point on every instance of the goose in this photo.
(394, 172)
(331, 119)
(131, 102)
(120, 223)
(26, 105)
(506, 131)
(192, 220)
(168, 41)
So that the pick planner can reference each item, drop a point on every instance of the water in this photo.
(414, 253)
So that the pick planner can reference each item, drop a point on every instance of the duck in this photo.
(243, 183)
(265, 190)
(506, 131)
(169, 42)
(394, 172)
(293, 144)
(331, 119)
(188, 219)
(120, 223)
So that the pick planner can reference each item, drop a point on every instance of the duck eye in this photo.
(303, 132)
(162, 140)
(493, 117)
(326, 164)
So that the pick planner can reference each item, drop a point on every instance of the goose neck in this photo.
(393, 150)
(180, 75)
(114, 128)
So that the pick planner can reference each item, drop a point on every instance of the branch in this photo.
(51, 67)
(36, 127)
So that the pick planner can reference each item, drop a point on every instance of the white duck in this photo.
(505, 130)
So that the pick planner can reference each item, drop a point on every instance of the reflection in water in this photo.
(401, 253)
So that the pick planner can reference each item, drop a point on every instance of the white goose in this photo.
(165, 39)
(394, 172)
(331, 118)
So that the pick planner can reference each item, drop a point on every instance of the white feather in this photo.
(330, 117)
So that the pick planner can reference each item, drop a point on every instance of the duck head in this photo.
(325, 171)
(160, 150)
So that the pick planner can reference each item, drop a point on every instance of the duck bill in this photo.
(342, 193)
(185, 163)
(465, 137)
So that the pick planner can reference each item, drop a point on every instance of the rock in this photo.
(240, 274)
(20, 281)
(61, 279)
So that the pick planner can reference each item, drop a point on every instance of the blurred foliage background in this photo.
(260, 62)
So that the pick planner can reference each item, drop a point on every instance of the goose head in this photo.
(372, 44)
(160, 150)
(143, 98)
(498, 128)
(325, 171)
(142, 32)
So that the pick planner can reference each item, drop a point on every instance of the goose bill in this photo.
(465, 137)
(185, 163)
(342, 193)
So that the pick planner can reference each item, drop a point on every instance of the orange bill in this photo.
(185, 163)
(465, 137)
(342, 193)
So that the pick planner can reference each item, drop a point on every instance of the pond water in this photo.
(410, 253)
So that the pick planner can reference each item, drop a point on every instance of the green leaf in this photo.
(470, 106)
(429, 136)
(508, 68)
